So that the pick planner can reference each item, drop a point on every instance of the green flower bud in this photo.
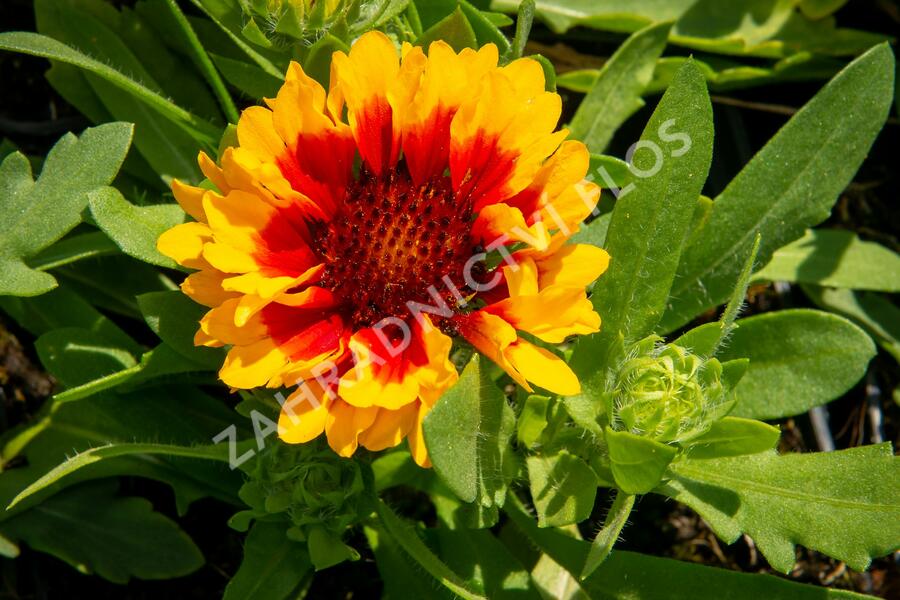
(283, 22)
(666, 393)
(308, 486)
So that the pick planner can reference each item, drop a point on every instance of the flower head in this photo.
(354, 234)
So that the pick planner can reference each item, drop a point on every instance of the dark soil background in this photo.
(33, 116)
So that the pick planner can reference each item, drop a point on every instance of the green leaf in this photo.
(113, 283)
(75, 356)
(454, 29)
(117, 39)
(393, 565)
(873, 312)
(818, 9)
(228, 19)
(630, 576)
(202, 61)
(175, 318)
(533, 420)
(273, 567)
(486, 32)
(616, 95)
(468, 434)
(326, 549)
(63, 308)
(8, 548)
(134, 229)
(40, 45)
(96, 531)
(706, 339)
(144, 415)
(789, 185)
(638, 463)
(485, 562)
(835, 258)
(612, 15)
(651, 223)
(563, 488)
(593, 233)
(733, 436)
(843, 504)
(98, 385)
(415, 549)
(609, 534)
(94, 455)
(40, 212)
(524, 18)
(798, 359)
(72, 249)
(317, 62)
(248, 78)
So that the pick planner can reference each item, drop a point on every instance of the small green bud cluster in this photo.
(307, 485)
(665, 392)
(282, 22)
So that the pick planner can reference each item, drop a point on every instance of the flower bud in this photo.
(308, 485)
(666, 393)
(283, 22)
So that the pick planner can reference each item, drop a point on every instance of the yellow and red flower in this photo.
(343, 248)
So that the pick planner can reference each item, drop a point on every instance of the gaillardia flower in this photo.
(355, 234)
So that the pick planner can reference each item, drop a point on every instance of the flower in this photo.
(354, 234)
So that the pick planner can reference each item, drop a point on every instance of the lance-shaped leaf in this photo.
(843, 504)
(39, 212)
(616, 94)
(790, 184)
(733, 436)
(88, 457)
(651, 223)
(41, 45)
(468, 433)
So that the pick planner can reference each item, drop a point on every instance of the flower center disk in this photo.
(390, 241)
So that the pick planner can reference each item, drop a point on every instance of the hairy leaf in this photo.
(788, 186)
(835, 258)
(843, 504)
(616, 94)
(798, 359)
(468, 433)
(39, 212)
